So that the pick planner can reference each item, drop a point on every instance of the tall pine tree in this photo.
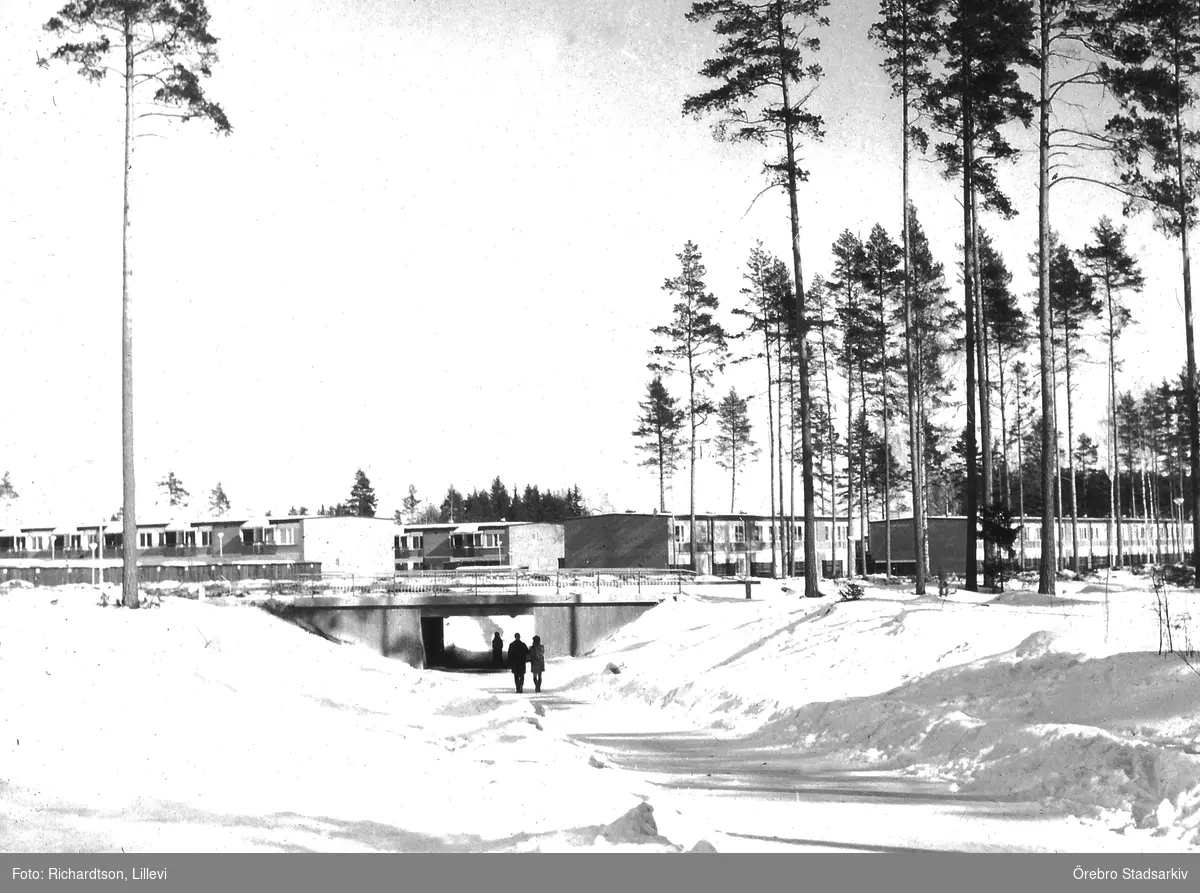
(695, 345)
(658, 431)
(162, 50)
(764, 79)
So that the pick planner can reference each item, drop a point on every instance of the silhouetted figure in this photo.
(518, 655)
(498, 649)
(537, 662)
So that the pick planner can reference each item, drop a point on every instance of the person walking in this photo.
(498, 649)
(537, 662)
(518, 656)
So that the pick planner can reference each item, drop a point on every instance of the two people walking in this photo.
(520, 654)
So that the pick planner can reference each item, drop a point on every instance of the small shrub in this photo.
(851, 591)
(1175, 575)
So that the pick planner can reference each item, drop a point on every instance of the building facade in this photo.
(518, 544)
(725, 545)
(336, 544)
(1142, 542)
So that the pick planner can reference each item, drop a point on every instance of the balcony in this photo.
(480, 553)
(409, 553)
(259, 549)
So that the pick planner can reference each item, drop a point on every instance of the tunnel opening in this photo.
(463, 643)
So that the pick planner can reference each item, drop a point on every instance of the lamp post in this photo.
(95, 564)
(221, 544)
(1179, 507)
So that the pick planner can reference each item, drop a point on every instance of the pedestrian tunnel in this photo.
(425, 634)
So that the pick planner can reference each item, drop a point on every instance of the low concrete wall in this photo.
(393, 632)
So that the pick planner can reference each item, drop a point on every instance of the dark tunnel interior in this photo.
(439, 656)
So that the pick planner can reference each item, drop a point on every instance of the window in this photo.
(285, 536)
(145, 540)
(739, 533)
(205, 537)
(679, 534)
(758, 533)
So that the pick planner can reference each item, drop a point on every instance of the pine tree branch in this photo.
(180, 115)
(754, 201)
(1106, 183)
(1091, 77)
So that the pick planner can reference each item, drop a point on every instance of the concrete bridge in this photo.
(409, 626)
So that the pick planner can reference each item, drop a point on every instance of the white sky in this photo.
(433, 248)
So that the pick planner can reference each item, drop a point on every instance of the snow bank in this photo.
(197, 727)
(1058, 699)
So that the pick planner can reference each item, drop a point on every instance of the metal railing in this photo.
(557, 581)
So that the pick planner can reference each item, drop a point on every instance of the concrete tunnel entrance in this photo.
(463, 642)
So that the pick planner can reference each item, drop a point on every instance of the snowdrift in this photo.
(1063, 700)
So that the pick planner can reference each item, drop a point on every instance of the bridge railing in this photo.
(550, 581)
(481, 581)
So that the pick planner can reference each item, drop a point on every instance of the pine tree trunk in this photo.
(1021, 467)
(1058, 491)
(984, 388)
(784, 558)
(1114, 485)
(831, 448)
(692, 464)
(662, 472)
(849, 466)
(770, 440)
(887, 487)
(1188, 326)
(1155, 495)
(129, 585)
(1114, 526)
(732, 475)
(1005, 474)
(1048, 561)
(972, 507)
(914, 416)
(810, 555)
(792, 464)
(1071, 460)
(862, 474)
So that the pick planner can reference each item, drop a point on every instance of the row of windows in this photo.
(1134, 531)
(739, 532)
(478, 540)
(156, 539)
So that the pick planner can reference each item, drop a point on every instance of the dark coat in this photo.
(497, 648)
(537, 658)
(518, 656)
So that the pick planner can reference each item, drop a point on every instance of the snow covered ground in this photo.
(778, 723)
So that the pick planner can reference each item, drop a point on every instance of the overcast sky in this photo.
(433, 247)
